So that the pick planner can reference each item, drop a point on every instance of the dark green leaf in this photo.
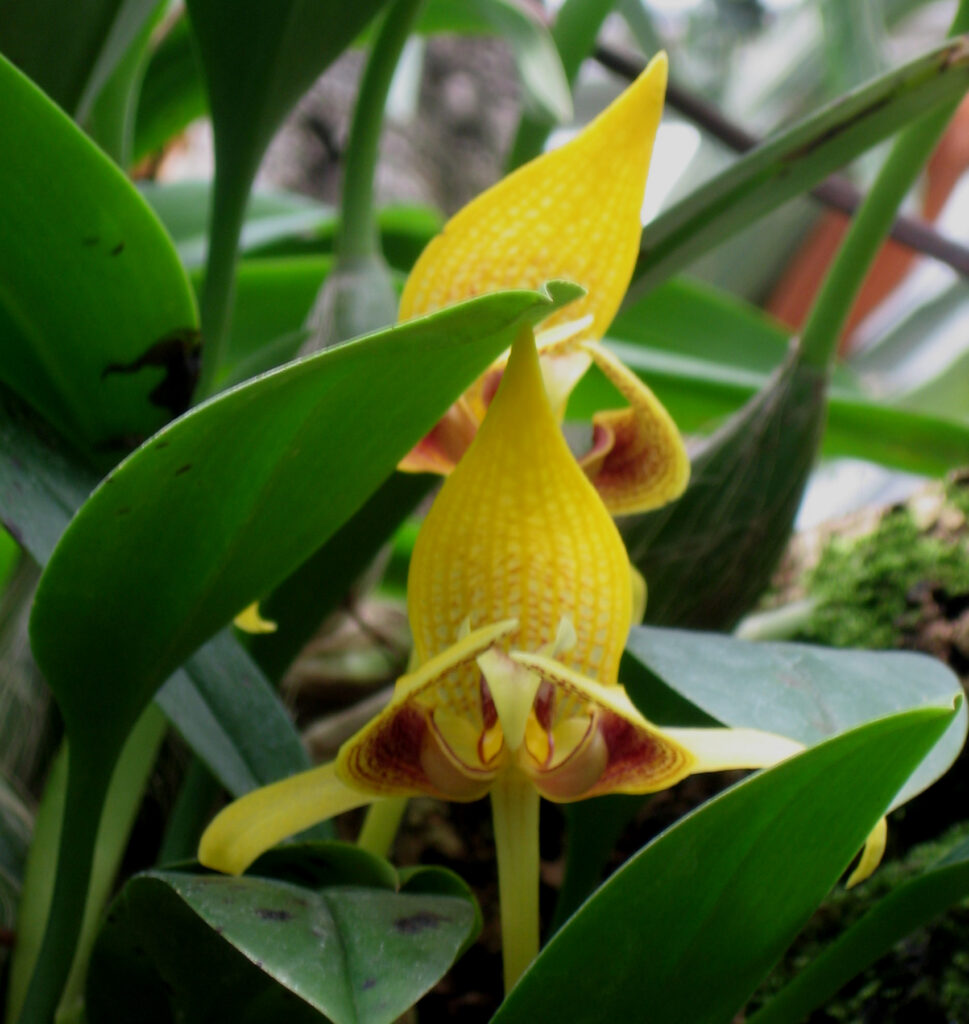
(71, 49)
(356, 954)
(900, 912)
(318, 586)
(692, 923)
(797, 159)
(709, 556)
(99, 354)
(219, 701)
(172, 92)
(805, 692)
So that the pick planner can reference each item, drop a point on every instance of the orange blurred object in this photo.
(794, 293)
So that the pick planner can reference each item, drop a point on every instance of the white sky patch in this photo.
(676, 145)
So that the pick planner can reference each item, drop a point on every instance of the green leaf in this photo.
(219, 701)
(808, 693)
(317, 587)
(172, 91)
(122, 297)
(256, 66)
(228, 713)
(124, 797)
(697, 918)
(271, 217)
(69, 49)
(709, 556)
(797, 159)
(110, 121)
(896, 915)
(359, 955)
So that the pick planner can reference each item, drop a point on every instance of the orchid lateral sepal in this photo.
(259, 820)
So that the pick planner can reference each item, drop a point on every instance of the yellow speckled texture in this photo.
(518, 532)
(573, 213)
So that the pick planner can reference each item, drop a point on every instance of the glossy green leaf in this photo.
(699, 916)
(808, 693)
(122, 296)
(797, 159)
(906, 908)
(71, 49)
(172, 92)
(357, 951)
(256, 65)
(219, 695)
(322, 582)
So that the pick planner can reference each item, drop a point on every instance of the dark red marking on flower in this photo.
(389, 757)
(489, 713)
(419, 922)
(634, 754)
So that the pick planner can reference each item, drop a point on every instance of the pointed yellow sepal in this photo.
(249, 620)
(518, 532)
(573, 213)
(259, 820)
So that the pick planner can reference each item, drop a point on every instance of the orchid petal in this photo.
(249, 620)
(572, 213)
(257, 821)
(721, 750)
(516, 518)
(638, 461)
(435, 713)
(871, 854)
(640, 594)
(639, 756)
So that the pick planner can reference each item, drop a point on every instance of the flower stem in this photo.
(514, 806)
(358, 228)
(381, 824)
(872, 224)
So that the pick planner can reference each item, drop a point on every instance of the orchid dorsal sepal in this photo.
(871, 854)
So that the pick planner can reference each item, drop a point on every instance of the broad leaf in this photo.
(172, 93)
(71, 49)
(355, 950)
(805, 692)
(696, 919)
(99, 353)
(219, 701)
(906, 908)
(795, 160)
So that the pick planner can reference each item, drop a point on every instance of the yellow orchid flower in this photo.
(573, 213)
(519, 602)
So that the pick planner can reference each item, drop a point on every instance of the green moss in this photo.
(926, 975)
(868, 588)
